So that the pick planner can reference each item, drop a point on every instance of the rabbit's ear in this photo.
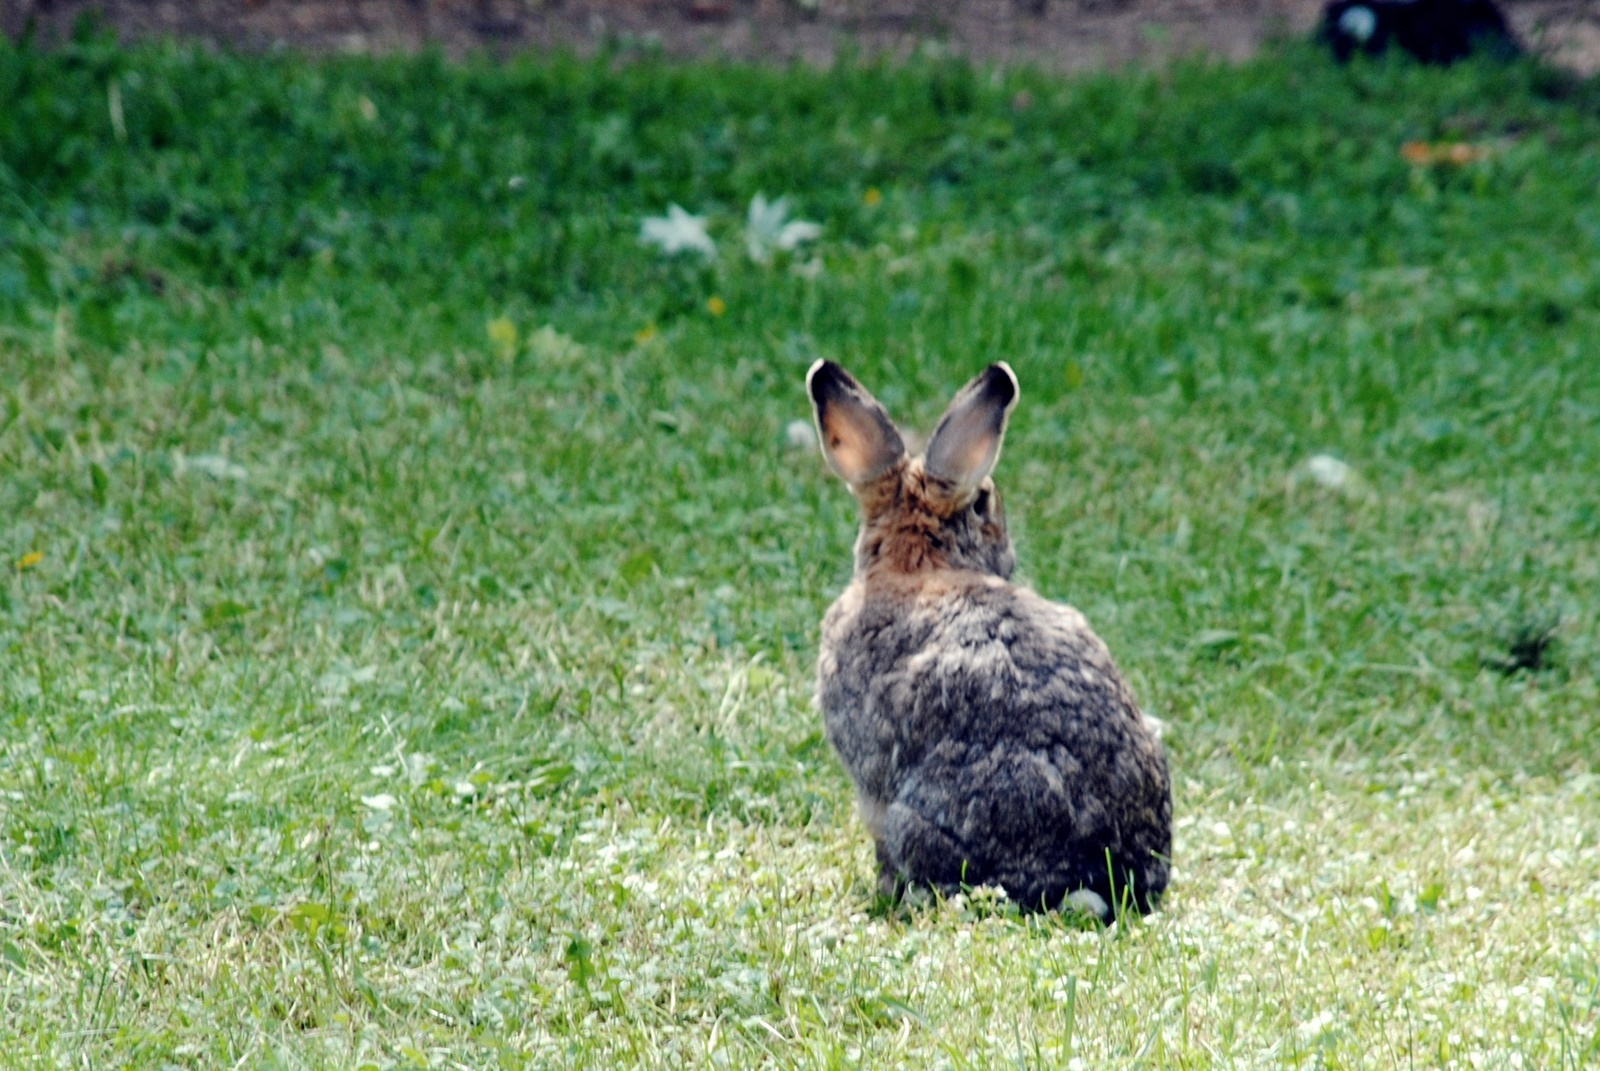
(966, 444)
(858, 438)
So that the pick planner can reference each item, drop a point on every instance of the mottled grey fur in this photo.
(989, 735)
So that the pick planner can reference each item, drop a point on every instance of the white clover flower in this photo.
(767, 229)
(1328, 471)
(799, 435)
(677, 231)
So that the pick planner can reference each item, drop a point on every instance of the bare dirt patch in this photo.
(1062, 34)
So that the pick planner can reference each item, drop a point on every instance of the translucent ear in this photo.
(858, 438)
(966, 444)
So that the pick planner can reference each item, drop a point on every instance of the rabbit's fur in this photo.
(989, 735)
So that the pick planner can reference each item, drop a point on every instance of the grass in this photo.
(408, 595)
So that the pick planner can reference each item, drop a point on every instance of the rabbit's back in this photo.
(987, 729)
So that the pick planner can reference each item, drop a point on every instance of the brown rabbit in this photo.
(989, 735)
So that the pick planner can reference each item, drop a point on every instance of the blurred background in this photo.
(1062, 34)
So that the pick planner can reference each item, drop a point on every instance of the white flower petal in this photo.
(799, 231)
(676, 232)
(766, 217)
(768, 228)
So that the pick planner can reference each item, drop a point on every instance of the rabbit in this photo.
(989, 735)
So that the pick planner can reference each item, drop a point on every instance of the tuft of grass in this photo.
(409, 581)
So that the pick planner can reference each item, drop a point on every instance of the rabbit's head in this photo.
(938, 510)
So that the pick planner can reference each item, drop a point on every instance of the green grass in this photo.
(377, 687)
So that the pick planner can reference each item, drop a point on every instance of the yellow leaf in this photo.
(645, 333)
(872, 198)
(30, 559)
(503, 333)
(716, 306)
(1458, 153)
(1417, 152)
(1073, 375)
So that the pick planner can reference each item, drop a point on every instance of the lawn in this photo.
(409, 579)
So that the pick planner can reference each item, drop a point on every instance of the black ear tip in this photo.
(1000, 383)
(827, 380)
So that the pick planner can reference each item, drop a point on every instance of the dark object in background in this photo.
(1433, 31)
(1529, 647)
